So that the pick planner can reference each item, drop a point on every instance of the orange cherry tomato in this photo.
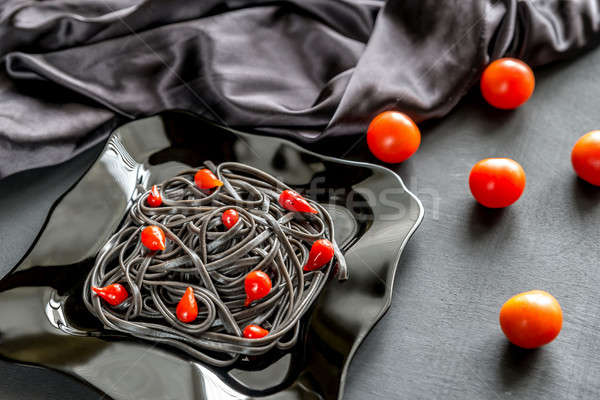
(393, 137)
(507, 83)
(154, 199)
(585, 157)
(497, 182)
(153, 238)
(531, 319)
(255, 332)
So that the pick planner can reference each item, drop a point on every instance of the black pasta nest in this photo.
(214, 261)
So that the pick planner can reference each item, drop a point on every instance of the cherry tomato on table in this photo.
(585, 157)
(393, 137)
(507, 83)
(497, 182)
(531, 319)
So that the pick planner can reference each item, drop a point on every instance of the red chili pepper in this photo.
(153, 238)
(113, 294)
(205, 179)
(230, 218)
(187, 308)
(154, 199)
(255, 332)
(321, 252)
(292, 201)
(257, 285)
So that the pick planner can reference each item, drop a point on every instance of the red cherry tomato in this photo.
(113, 294)
(153, 238)
(255, 332)
(154, 199)
(187, 308)
(507, 83)
(205, 179)
(497, 182)
(393, 137)
(257, 285)
(292, 201)
(230, 218)
(585, 157)
(531, 319)
(321, 252)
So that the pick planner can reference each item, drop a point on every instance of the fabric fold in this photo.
(306, 70)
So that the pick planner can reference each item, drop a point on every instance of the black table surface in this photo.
(441, 338)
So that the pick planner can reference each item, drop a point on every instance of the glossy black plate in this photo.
(43, 320)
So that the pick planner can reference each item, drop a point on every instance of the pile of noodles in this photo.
(201, 253)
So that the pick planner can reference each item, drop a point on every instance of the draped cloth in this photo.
(73, 70)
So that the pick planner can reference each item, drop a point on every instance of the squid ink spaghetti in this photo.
(219, 262)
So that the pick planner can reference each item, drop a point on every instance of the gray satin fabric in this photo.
(305, 69)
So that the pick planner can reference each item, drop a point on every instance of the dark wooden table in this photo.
(441, 338)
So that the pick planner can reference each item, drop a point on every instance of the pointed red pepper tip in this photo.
(321, 252)
(255, 332)
(153, 238)
(113, 294)
(257, 285)
(292, 201)
(154, 199)
(205, 179)
(187, 308)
